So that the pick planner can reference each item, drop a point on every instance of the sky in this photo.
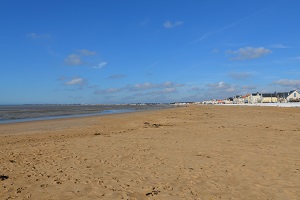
(146, 51)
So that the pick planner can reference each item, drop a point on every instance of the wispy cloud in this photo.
(108, 91)
(73, 59)
(249, 87)
(148, 85)
(248, 53)
(226, 27)
(165, 91)
(100, 65)
(279, 46)
(38, 36)
(150, 68)
(146, 88)
(78, 58)
(295, 58)
(76, 81)
(62, 78)
(215, 51)
(170, 24)
(116, 76)
(288, 83)
(75, 97)
(85, 52)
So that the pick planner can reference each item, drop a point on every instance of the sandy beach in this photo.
(195, 152)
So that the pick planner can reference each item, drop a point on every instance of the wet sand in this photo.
(196, 152)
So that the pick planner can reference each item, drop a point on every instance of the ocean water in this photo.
(22, 113)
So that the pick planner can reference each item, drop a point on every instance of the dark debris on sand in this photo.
(3, 177)
(154, 192)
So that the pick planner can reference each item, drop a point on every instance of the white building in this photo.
(255, 98)
(293, 96)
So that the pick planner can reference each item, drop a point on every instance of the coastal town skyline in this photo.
(260, 98)
(146, 51)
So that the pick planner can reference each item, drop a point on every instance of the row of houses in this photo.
(276, 97)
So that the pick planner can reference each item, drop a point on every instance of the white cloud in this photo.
(76, 81)
(77, 58)
(219, 85)
(219, 90)
(143, 86)
(169, 84)
(38, 36)
(169, 24)
(222, 86)
(248, 53)
(73, 59)
(288, 83)
(100, 65)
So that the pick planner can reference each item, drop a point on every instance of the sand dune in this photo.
(198, 152)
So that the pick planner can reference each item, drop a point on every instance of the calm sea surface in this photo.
(22, 113)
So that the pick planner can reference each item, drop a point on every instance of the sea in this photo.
(24, 113)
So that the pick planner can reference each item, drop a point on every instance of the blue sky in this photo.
(118, 51)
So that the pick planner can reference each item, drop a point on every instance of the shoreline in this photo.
(20, 113)
(195, 152)
(61, 124)
(46, 118)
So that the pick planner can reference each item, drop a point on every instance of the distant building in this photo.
(282, 96)
(255, 98)
(229, 100)
(294, 96)
(237, 99)
(269, 98)
(246, 98)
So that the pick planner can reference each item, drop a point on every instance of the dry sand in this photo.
(197, 152)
